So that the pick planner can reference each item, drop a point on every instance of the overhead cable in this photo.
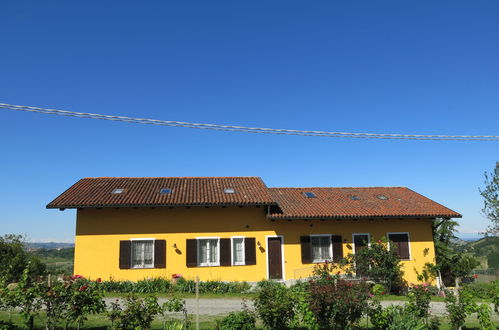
(235, 128)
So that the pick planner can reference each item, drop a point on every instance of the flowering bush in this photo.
(419, 300)
(338, 304)
(176, 276)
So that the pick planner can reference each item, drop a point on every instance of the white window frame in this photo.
(232, 250)
(361, 234)
(315, 261)
(131, 253)
(408, 241)
(210, 264)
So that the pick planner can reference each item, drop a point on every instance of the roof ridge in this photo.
(374, 187)
(172, 177)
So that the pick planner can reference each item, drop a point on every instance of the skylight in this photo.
(229, 190)
(309, 194)
(165, 191)
(354, 197)
(382, 197)
(117, 191)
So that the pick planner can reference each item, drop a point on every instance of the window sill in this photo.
(148, 267)
(208, 265)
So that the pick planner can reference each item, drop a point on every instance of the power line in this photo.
(234, 128)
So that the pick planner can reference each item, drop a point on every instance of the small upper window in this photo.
(309, 194)
(354, 197)
(229, 190)
(117, 191)
(382, 197)
(165, 191)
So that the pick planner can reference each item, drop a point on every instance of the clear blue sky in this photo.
(411, 67)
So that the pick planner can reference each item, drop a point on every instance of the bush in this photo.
(338, 304)
(136, 314)
(161, 285)
(274, 304)
(403, 319)
(419, 300)
(378, 263)
(243, 320)
(459, 306)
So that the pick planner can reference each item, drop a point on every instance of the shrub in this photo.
(459, 307)
(378, 263)
(419, 300)
(156, 285)
(243, 320)
(137, 313)
(403, 319)
(338, 304)
(176, 305)
(274, 304)
(303, 314)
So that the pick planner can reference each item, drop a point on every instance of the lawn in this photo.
(206, 322)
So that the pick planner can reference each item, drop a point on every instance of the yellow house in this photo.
(238, 229)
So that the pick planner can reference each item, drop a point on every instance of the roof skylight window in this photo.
(117, 191)
(165, 191)
(229, 190)
(354, 197)
(309, 194)
(382, 197)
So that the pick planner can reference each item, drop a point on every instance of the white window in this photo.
(208, 252)
(142, 253)
(238, 251)
(321, 247)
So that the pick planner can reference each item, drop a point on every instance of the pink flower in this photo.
(370, 295)
(379, 241)
(98, 280)
(383, 292)
(83, 288)
(475, 276)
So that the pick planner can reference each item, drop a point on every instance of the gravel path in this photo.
(224, 306)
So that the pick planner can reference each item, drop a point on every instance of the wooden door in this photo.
(275, 257)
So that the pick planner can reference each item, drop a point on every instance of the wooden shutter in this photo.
(160, 253)
(306, 250)
(402, 242)
(125, 254)
(191, 254)
(337, 247)
(249, 251)
(225, 252)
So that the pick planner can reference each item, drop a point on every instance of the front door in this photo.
(275, 257)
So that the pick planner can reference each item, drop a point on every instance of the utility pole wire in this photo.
(234, 128)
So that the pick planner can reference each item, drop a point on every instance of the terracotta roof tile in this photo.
(355, 203)
(97, 192)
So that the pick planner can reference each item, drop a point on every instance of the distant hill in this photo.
(48, 245)
(487, 249)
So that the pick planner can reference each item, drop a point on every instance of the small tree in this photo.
(380, 263)
(490, 196)
(14, 259)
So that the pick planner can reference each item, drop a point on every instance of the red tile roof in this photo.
(97, 192)
(355, 203)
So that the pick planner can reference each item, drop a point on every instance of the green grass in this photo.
(206, 321)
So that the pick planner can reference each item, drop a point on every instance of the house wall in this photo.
(99, 231)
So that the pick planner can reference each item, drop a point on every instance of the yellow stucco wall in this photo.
(98, 233)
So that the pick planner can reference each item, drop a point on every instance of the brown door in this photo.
(275, 258)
